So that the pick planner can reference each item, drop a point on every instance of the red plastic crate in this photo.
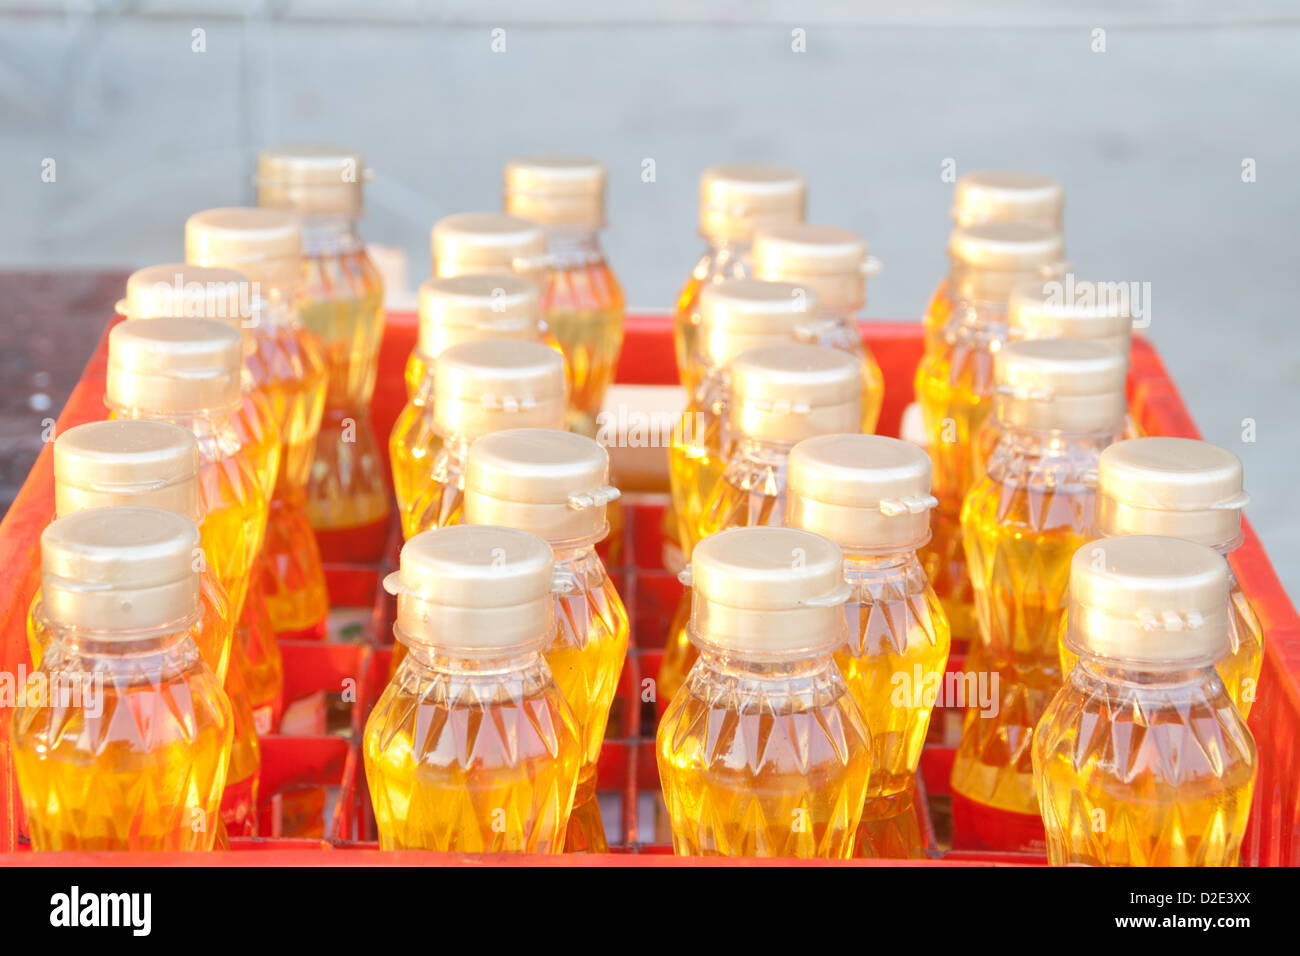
(325, 773)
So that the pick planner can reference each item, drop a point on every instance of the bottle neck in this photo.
(1042, 446)
(752, 666)
(763, 451)
(1152, 677)
(860, 563)
(569, 247)
(330, 235)
(118, 645)
(430, 657)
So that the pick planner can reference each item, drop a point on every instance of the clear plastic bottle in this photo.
(582, 301)
(460, 309)
(735, 200)
(1142, 759)
(1183, 488)
(471, 747)
(288, 367)
(555, 484)
(763, 751)
(954, 385)
(871, 496)
(1059, 403)
(834, 264)
(128, 748)
(343, 307)
(186, 372)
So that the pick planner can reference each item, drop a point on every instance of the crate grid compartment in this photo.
(313, 796)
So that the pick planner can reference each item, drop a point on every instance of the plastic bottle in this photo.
(871, 496)
(343, 307)
(1142, 759)
(460, 309)
(582, 301)
(472, 747)
(735, 200)
(288, 367)
(763, 751)
(1183, 488)
(954, 385)
(128, 747)
(1059, 403)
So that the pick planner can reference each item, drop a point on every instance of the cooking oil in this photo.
(464, 308)
(128, 749)
(871, 496)
(954, 385)
(288, 367)
(763, 751)
(735, 200)
(1142, 759)
(1059, 403)
(555, 484)
(471, 747)
(582, 302)
(1183, 488)
(834, 264)
(342, 305)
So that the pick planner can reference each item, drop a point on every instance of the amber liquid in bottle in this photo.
(722, 260)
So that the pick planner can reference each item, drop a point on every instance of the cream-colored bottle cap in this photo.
(767, 590)
(486, 386)
(127, 462)
(738, 198)
(556, 190)
(180, 290)
(173, 366)
(1178, 487)
(998, 195)
(830, 261)
(864, 492)
(474, 589)
(1066, 384)
(467, 308)
(990, 258)
(470, 242)
(1148, 600)
(740, 314)
(124, 569)
(552, 483)
(311, 179)
(788, 393)
(1047, 309)
(264, 244)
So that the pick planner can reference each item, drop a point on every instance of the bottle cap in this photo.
(830, 261)
(470, 242)
(264, 244)
(467, 308)
(1178, 487)
(788, 393)
(489, 385)
(552, 483)
(127, 462)
(556, 190)
(1142, 599)
(120, 569)
(738, 198)
(991, 258)
(999, 195)
(474, 589)
(179, 290)
(311, 179)
(1046, 309)
(864, 492)
(173, 366)
(767, 590)
(740, 314)
(1065, 384)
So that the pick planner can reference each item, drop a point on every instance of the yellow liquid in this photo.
(1140, 770)
(472, 761)
(440, 500)
(937, 314)
(583, 305)
(748, 495)
(343, 306)
(239, 798)
(719, 263)
(697, 458)
(145, 774)
(586, 658)
(1019, 543)
(413, 447)
(843, 334)
(758, 764)
(260, 662)
(259, 437)
(680, 654)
